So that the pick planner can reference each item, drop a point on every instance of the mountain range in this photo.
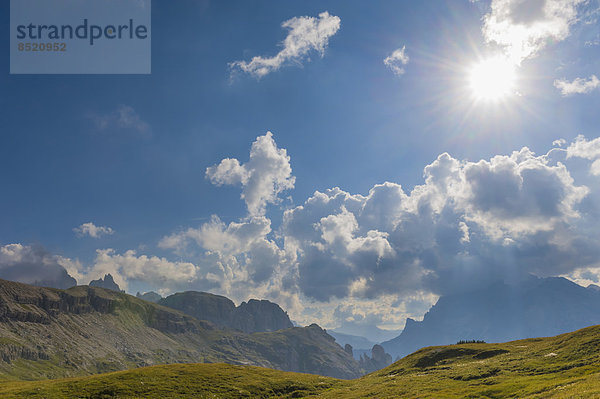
(53, 333)
(533, 307)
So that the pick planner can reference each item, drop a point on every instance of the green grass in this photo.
(565, 366)
(179, 380)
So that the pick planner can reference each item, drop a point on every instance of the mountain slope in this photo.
(502, 312)
(564, 366)
(51, 333)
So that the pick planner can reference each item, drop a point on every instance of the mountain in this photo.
(149, 296)
(536, 307)
(107, 282)
(357, 342)
(565, 366)
(253, 316)
(202, 305)
(52, 333)
(369, 331)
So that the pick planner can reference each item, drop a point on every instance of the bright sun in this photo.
(492, 79)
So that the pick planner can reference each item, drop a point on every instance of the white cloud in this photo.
(524, 27)
(559, 142)
(583, 148)
(90, 229)
(587, 149)
(153, 270)
(123, 118)
(33, 265)
(263, 177)
(305, 34)
(397, 61)
(577, 86)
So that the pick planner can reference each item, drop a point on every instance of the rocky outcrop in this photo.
(252, 316)
(259, 316)
(11, 352)
(107, 282)
(21, 302)
(348, 349)
(378, 360)
(203, 306)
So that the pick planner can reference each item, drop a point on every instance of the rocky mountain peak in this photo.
(107, 282)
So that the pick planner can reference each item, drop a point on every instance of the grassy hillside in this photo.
(567, 365)
(51, 333)
(564, 366)
(178, 380)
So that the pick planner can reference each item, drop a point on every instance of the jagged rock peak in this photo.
(107, 282)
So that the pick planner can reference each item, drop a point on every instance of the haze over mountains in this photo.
(49, 332)
(535, 307)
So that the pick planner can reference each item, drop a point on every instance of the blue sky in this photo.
(129, 153)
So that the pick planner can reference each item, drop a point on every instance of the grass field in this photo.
(564, 366)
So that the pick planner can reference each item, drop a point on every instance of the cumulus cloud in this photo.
(305, 35)
(577, 86)
(131, 267)
(587, 149)
(461, 226)
(33, 265)
(91, 230)
(397, 61)
(337, 255)
(469, 223)
(524, 27)
(263, 177)
(123, 118)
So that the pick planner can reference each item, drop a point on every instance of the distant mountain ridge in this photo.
(149, 296)
(357, 342)
(536, 307)
(252, 316)
(52, 333)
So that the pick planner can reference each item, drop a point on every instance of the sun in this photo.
(492, 79)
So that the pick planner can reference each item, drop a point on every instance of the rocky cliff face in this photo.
(203, 306)
(21, 302)
(51, 333)
(259, 316)
(252, 316)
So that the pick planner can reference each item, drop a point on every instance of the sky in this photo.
(349, 160)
